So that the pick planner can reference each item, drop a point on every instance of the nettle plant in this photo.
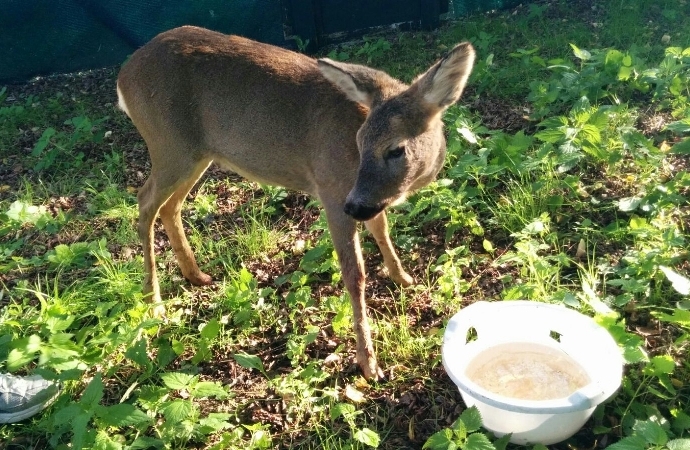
(605, 134)
(55, 143)
(611, 75)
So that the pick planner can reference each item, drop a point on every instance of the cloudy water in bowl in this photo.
(527, 371)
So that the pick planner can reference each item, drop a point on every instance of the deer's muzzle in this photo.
(362, 212)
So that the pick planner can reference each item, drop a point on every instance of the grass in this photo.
(566, 182)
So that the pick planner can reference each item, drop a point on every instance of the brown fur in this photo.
(278, 117)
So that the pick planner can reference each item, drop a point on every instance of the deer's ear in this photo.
(359, 83)
(443, 83)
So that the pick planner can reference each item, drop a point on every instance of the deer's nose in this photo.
(361, 212)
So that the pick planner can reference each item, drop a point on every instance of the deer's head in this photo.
(401, 142)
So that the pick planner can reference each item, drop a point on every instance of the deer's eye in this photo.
(396, 152)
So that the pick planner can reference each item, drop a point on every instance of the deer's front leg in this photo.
(378, 227)
(346, 241)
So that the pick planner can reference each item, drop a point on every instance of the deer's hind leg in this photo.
(164, 192)
(171, 217)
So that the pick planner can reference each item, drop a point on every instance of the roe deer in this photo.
(351, 136)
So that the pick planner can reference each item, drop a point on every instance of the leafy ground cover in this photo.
(566, 182)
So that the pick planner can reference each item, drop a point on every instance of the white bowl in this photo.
(530, 326)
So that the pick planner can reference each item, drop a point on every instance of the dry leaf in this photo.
(332, 359)
(581, 249)
(646, 331)
(361, 383)
(353, 394)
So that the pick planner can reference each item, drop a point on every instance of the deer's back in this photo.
(265, 112)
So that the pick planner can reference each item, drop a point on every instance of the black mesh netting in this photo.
(53, 36)
(40, 37)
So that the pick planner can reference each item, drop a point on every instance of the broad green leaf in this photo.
(682, 147)
(600, 429)
(478, 441)
(535, 227)
(178, 410)
(66, 414)
(488, 246)
(105, 442)
(502, 442)
(660, 365)
(342, 409)
(43, 141)
(214, 422)
(261, 439)
(651, 432)
(177, 380)
(569, 148)
(145, 443)
(472, 419)
(440, 440)
(211, 329)
(678, 444)
(178, 347)
(624, 73)
(679, 126)
(679, 316)
(79, 430)
(208, 389)
(122, 414)
(139, 353)
(459, 430)
(629, 443)
(662, 395)
(683, 304)
(554, 122)
(614, 59)
(676, 86)
(166, 354)
(249, 361)
(637, 223)
(245, 277)
(24, 351)
(367, 437)
(681, 421)
(551, 135)
(633, 355)
(93, 393)
(591, 133)
(314, 254)
(203, 352)
(25, 212)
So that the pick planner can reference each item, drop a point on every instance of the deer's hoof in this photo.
(200, 279)
(370, 368)
(403, 279)
(158, 310)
